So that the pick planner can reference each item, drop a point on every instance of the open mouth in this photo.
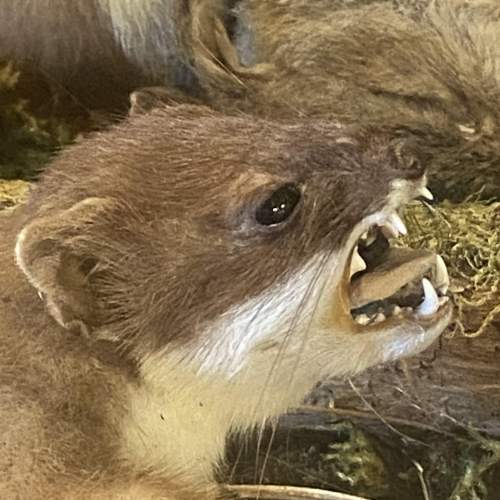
(388, 284)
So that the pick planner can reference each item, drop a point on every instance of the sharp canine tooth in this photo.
(425, 193)
(362, 319)
(379, 317)
(389, 231)
(394, 226)
(431, 301)
(395, 220)
(357, 263)
(397, 310)
(441, 278)
(370, 239)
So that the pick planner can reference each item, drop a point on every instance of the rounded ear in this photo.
(215, 56)
(50, 253)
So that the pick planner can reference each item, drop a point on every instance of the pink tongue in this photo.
(401, 266)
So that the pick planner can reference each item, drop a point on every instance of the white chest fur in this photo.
(252, 364)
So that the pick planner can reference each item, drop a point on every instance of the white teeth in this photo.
(362, 319)
(379, 317)
(367, 238)
(389, 231)
(425, 193)
(371, 239)
(357, 263)
(441, 277)
(394, 226)
(397, 310)
(396, 221)
(431, 301)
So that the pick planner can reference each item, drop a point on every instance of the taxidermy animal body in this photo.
(186, 275)
(431, 70)
(98, 51)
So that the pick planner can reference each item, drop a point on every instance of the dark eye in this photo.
(279, 206)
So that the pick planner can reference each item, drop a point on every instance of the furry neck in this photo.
(179, 420)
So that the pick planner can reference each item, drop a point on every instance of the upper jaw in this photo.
(385, 288)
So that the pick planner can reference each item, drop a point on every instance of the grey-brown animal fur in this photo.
(429, 68)
(146, 314)
(98, 51)
(434, 74)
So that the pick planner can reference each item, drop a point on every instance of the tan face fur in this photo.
(148, 313)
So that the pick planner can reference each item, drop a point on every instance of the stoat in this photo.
(186, 275)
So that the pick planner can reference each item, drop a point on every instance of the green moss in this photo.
(356, 461)
(13, 193)
(466, 235)
(27, 141)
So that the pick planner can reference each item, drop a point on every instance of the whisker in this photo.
(307, 295)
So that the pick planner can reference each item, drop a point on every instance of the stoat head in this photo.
(228, 243)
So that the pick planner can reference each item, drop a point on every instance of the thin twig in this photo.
(420, 471)
(382, 418)
(271, 492)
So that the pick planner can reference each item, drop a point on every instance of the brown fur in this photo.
(98, 51)
(430, 70)
(115, 383)
(434, 74)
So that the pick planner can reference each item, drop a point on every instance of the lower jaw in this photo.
(395, 338)
(410, 343)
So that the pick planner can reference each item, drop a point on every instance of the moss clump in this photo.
(466, 235)
(27, 141)
(12, 193)
(356, 462)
